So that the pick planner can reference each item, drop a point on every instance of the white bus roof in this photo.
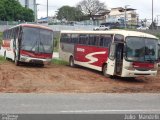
(32, 25)
(121, 32)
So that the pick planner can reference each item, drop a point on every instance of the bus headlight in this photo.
(155, 67)
(130, 67)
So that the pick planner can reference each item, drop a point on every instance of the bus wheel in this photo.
(71, 62)
(105, 71)
(16, 61)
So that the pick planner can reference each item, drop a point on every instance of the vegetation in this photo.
(0, 38)
(2, 59)
(11, 10)
(69, 13)
(153, 25)
(56, 44)
(91, 7)
(59, 62)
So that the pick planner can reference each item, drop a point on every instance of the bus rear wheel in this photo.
(71, 62)
(105, 71)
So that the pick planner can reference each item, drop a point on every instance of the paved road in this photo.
(79, 103)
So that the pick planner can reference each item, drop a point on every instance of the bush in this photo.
(56, 44)
(59, 62)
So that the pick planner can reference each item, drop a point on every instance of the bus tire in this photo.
(16, 61)
(104, 70)
(71, 62)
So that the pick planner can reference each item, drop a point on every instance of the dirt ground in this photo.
(64, 79)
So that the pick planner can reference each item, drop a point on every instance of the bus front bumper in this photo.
(35, 60)
(136, 73)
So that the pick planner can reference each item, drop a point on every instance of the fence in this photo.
(73, 27)
(57, 27)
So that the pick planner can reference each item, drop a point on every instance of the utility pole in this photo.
(152, 14)
(47, 9)
(125, 16)
(36, 11)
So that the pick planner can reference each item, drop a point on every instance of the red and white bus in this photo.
(28, 43)
(114, 52)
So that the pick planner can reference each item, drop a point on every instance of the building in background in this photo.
(118, 14)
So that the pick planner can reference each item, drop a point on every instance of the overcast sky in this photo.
(144, 7)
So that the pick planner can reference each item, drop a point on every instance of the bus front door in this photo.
(119, 58)
(115, 60)
(111, 60)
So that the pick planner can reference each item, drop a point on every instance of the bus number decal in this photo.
(80, 50)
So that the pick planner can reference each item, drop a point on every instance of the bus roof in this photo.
(114, 31)
(33, 26)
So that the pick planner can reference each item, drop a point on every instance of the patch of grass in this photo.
(2, 59)
(59, 62)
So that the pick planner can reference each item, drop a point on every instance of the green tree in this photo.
(69, 13)
(91, 7)
(11, 10)
(2, 10)
(28, 14)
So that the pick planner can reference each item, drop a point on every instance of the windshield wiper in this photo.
(41, 44)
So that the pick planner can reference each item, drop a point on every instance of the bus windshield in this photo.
(141, 49)
(37, 40)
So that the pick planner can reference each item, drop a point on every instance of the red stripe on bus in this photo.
(36, 55)
(143, 65)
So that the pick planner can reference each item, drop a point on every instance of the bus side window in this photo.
(91, 37)
(83, 39)
(105, 40)
(101, 41)
(93, 40)
(65, 38)
(74, 38)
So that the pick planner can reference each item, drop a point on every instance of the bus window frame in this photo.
(112, 39)
(74, 41)
(94, 36)
(86, 42)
